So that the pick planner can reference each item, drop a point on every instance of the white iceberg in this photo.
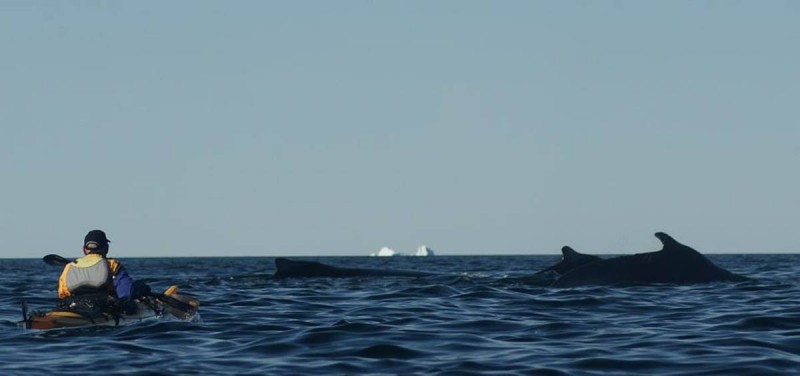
(423, 250)
(385, 252)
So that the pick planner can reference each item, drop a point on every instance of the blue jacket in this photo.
(126, 287)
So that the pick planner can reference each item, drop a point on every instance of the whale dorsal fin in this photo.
(572, 256)
(567, 252)
(668, 242)
(570, 259)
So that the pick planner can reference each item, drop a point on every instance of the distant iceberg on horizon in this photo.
(385, 252)
(423, 250)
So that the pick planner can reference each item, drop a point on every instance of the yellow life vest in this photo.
(89, 274)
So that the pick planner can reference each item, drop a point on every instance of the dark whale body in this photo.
(675, 263)
(286, 268)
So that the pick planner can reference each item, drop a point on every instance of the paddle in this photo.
(55, 260)
(180, 306)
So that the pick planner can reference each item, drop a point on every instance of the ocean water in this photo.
(486, 315)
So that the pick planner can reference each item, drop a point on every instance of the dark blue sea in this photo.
(486, 315)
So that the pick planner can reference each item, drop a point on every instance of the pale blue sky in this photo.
(338, 127)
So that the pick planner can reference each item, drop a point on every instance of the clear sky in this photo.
(261, 128)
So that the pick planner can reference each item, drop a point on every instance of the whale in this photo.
(287, 268)
(675, 263)
(570, 259)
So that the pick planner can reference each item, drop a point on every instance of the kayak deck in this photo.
(65, 318)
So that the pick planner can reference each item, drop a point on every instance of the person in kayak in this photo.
(95, 277)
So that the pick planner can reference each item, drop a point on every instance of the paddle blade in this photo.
(179, 306)
(55, 260)
(171, 290)
(183, 307)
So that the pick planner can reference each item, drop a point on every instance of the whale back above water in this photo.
(675, 263)
(286, 268)
(571, 259)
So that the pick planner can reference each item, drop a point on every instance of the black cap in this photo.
(95, 240)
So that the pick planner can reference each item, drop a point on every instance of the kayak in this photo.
(150, 307)
(66, 318)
